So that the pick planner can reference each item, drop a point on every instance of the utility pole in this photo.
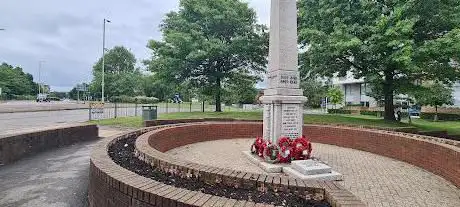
(39, 75)
(103, 58)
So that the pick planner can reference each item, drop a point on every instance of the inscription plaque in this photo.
(291, 120)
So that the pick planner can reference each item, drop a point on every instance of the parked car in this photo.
(414, 110)
(41, 97)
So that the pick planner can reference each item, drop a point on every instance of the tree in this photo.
(391, 44)
(121, 75)
(335, 95)
(74, 94)
(14, 81)
(241, 91)
(210, 44)
(435, 95)
(314, 89)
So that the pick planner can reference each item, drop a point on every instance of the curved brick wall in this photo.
(425, 152)
(112, 185)
(13, 147)
(151, 146)
(436, 155)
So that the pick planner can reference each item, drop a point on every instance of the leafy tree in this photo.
(435, 95)
(155, 87)
(314, 89)
(241, 91)
(121, 75)
(73, 94)
(335, 95)
(14, 81)
(210, 44)
(389, 43)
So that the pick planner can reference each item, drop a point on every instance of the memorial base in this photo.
(283, 117)
(301, 169)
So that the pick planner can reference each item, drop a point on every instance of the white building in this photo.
(355, 91)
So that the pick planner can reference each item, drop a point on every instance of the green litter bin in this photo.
(149, 112)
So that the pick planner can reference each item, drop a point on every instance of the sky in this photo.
(67, 35)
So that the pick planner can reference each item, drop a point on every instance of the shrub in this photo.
(441, 116)
(137, 99)
(21, 97)
(338, 111)
(372, 113)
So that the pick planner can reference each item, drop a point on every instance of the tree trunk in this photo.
(388, 93)
(218, 96)
(436, 113)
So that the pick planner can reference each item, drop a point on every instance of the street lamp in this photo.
(39, 75)
(103, 58)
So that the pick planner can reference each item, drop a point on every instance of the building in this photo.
(355, 91)
(456, 94)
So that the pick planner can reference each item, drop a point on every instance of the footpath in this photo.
(57, 178)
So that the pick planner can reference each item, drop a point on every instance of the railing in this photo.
(115, 110)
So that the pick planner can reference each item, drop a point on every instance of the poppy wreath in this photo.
(270, 153)
(285, 149)
(301, 148)
(258, 146)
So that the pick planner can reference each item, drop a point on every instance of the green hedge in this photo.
(21, 97)
(137, 99)
(444, 117)
(372, 113)
(380, 113)
(338, 111)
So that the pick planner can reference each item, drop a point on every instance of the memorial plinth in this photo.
(283, 99)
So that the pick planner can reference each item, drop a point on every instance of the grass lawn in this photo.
(452, 127)
(309, 119)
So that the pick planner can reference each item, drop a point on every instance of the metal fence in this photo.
(116, 110)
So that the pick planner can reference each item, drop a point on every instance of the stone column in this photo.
(283, 99)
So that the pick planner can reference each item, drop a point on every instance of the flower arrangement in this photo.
(284, 151)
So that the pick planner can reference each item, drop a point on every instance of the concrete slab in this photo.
(333, 176)
(310, 167)
(267, 167)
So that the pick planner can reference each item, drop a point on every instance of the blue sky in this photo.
(67, 34)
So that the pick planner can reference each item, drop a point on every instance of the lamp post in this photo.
(39, 75)
(103, 58)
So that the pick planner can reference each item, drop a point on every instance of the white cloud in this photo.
(67, 34)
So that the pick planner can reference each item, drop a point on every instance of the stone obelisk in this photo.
(283, 99)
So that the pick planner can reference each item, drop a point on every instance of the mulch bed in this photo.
(122, 153)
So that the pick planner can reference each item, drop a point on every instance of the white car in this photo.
(41, 97)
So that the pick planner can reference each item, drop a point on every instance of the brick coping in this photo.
(106, 176)
(333, 192)
(407, 131)
(18, 145)
(113, 185)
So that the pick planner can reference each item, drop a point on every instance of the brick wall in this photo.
(438, 158)
(437, 155)
(17, 146)
(150, 148)
(112, 185)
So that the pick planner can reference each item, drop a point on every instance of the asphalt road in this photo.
(58, 178)
(32, 121)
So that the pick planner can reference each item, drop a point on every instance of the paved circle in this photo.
(376, 180)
